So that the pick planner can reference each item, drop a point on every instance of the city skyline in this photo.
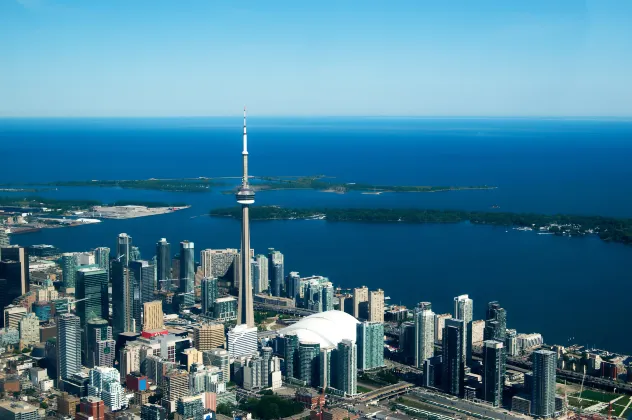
(118, 58)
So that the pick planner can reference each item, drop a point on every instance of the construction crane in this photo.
(73, 302)
(581, 391)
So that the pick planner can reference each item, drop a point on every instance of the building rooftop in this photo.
(325, 328)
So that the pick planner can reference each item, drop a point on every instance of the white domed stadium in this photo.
(325, 328)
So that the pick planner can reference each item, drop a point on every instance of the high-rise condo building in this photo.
(493, 372)
(163, 263)
(176, 385)
(29, 329)
(187, 273)
(376, 306)
(219, 358)
(291, 344)
(293, 285)
(13, 315)
(153, 317)
(68, 346)
(260, 275)
(543, 390)
(68, 269)
(452, 357)
(308, 356)
(495, 322)
(360, 301)
(370, 345)
(210, 292)
(463, 310)
(100, 345)
(424, 333)
(347, 367)
(439, 325)
(276, 271)
(209, 336)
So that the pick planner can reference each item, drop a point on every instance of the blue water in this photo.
(560, 287)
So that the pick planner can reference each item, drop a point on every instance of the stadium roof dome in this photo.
(325, 328)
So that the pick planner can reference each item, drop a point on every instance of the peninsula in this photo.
(608, 229)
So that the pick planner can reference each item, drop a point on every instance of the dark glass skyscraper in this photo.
(123, 248)
(275, 271)
(291, 356)
(187, 273)
(122, 298)
(453, 357)
(91, 285)
(209, 294)
(493, 372)
(143, 288)
(163, 261)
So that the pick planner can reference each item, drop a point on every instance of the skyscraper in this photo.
(102, 258)
(360, 296)
(122, 298)
(370, 343)
(208, 336)
(68, 268)
(206, 262)
(276, 271)
(347, 367)
(424, 333)
(68, 346)
(100, 345)
(92, 289)
(260, 275)
(452, 357)
(124, 248)
(493, 372)
(543, 391)
(495, 322)
(187, 273)
(190, 408)
(245, 196)
(376, 306)
(144, 281)
(210, 292)
(163, 261)
(308, 356)
(152, 412)
(463, 310)
(14, 274)
(291, 355)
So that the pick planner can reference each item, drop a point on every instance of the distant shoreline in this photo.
(617, 230)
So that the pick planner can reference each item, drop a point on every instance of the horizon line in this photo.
(300, 116)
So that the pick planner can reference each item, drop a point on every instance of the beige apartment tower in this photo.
(360, 295)
(152, 315)
(376, 306)
(209, 336)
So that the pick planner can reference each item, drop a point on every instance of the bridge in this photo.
(283, 309)
(385, 392)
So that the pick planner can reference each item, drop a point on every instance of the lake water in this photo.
(560, 287)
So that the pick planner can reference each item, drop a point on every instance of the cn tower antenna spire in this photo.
(245, 134)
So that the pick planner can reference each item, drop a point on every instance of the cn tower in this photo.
(245, 196)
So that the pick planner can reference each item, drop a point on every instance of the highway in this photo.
(283, 310)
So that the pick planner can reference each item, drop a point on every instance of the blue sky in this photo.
(382, 58)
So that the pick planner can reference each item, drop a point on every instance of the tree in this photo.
(44, 405)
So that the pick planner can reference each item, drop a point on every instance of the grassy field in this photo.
(590, 394)
(363, 389)
(618, 407)
(574, 402)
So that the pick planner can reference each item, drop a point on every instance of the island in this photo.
(258, 183)
(319, 183)
(607, 228)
